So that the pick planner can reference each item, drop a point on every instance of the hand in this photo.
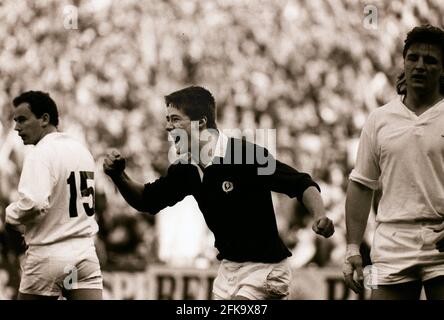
(439, 244)
(324, 226)
(352, 264)
(19, 228)
(114, 163)
(14, 237)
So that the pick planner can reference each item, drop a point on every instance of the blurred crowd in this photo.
(311, 69)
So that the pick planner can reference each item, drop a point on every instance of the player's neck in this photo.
(421, 101)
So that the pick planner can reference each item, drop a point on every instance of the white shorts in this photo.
(403, 252)
(47, 270)
(253, 280)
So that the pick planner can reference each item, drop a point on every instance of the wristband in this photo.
(352, 250)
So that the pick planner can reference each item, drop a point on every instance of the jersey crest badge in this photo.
(227, 186)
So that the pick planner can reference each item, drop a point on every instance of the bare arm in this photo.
(131, 190)
(312, 201)
(357, 209)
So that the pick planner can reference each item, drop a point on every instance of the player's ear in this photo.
(45, 119)
(203, 122)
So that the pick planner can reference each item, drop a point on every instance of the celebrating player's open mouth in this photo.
(177, 144)
(179, 136)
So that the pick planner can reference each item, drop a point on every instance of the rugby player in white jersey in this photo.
(401, 152)
(55, 207)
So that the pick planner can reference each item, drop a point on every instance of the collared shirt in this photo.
(234, 198)
(56, 192)
(403, 154)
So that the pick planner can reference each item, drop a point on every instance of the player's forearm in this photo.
(23, 212)
(357, 209)
(131, 191)
(312, 201)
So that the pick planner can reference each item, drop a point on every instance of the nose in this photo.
(420, 63)
(169, 126)
(17, 127)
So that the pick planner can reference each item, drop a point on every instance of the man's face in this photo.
(423, 67)
(29, 127)
(179, 127)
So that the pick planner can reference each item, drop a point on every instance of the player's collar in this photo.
(49, 136)
(221, 145)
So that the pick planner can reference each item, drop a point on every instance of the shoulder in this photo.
(240, 151)
(389, 107)
(63, 147)
(245, 145)
(65, 140)
(38, 156)
(379, 115)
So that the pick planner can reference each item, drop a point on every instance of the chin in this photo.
(27, 142)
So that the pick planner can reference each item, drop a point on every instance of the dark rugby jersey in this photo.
(235, 200)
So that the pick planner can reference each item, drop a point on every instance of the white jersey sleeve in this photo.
(35, 188)
(367, 170)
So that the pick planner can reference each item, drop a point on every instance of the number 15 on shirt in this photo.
(85, 192)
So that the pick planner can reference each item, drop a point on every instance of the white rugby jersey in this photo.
(56, 192)
(404, 155)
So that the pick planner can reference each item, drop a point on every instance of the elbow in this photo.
(19, 213)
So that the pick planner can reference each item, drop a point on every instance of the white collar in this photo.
(221, 146)
(439, 104)
(49, 136)
(220, 150)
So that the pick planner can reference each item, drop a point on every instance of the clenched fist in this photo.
(324, 226)
(114, 163)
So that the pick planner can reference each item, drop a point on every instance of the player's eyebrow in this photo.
(426, 58)
(175, 116)
(430, 58)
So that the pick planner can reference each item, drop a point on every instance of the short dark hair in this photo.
(39, 103)
(425, 34)
(196, 102)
